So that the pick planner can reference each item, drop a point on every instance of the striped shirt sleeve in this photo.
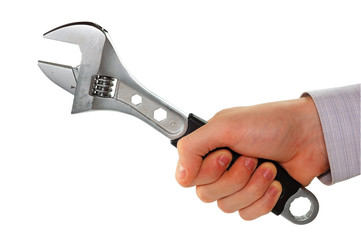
(339, 112)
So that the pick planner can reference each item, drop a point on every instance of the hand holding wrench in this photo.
(102, 82)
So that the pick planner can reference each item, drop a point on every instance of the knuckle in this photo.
(221, 113)
(239, 180)
(203, 195)
(182, 145)
(256, 190)
(245, 216)
(224, 206)
(267, 207)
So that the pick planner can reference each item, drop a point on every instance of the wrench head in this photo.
(102, 82)
(92, 41)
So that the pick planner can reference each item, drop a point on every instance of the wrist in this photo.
(312, 143)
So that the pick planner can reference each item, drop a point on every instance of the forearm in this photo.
(339, 112)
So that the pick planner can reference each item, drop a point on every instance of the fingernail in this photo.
(273, 191)
(268, 174)
(181, 173)
(250, 163)
(223, 160)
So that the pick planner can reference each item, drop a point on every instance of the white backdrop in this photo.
(106, 175)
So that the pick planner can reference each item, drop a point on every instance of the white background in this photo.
(106, 175)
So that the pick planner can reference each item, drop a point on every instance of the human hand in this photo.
(288, 132)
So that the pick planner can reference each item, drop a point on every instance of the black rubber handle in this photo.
(289, 185)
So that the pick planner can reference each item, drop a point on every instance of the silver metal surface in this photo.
(100, 59)
(62, 75)
(310, 215)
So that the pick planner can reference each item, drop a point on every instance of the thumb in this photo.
(192, 149)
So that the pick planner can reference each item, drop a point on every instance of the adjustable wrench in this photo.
(102, 82)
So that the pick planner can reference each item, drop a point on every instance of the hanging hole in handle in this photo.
(301, 208)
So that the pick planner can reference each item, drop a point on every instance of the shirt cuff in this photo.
(339, 112)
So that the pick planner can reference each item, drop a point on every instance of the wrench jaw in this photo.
(91, 39)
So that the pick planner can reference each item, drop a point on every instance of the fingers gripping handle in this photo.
(291, 189)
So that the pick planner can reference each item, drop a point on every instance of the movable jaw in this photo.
(62, 75)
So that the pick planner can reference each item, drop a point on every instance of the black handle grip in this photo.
(291, 189)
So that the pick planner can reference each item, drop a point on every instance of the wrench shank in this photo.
(172, 123)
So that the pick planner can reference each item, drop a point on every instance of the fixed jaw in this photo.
(79, 33)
